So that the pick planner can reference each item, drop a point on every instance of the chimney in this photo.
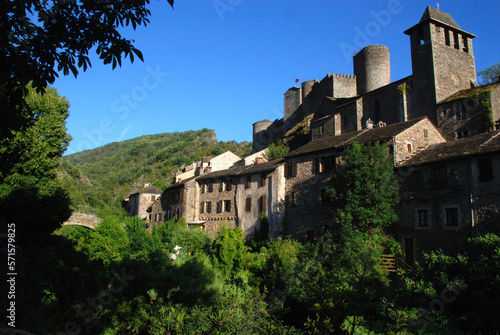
(369, 124)
(259, 160)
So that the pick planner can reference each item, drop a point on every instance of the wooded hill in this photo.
(101, 178)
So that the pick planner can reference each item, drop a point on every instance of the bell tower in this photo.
(442, 62)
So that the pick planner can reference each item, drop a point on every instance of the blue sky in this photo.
(225, 64)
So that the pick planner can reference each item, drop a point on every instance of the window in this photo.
(249, 182)
(456, 40)
(426, 133)
(423, 217)
(290, 169)
(229, 185)
(203, 188)
(248, 204)
(178, 213)
(153, 197)
(221, 186)
(262, 203)
(465, 44)
(462, 133)
(324, 164)
(158, 217)
(321, 129)
(208, 207)
(439, 175)
(210, 187)
(408, 146)
(219, 206)
(227, 205)
(294, 198)
(202, 208)
(451, 216)
(447, 37)
(263, 179)
(485, 167)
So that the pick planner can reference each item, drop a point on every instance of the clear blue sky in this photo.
(225, 64)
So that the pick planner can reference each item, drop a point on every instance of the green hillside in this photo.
(99, 179)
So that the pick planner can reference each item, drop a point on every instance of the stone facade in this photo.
(139, 202)
(309, 170)
(450, 192)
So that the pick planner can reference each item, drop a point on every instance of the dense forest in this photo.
(98, 180)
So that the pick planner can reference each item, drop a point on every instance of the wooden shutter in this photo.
(263, 203)
(209, 207)
(219, 206)
(294, 169)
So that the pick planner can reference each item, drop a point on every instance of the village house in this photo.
(139, 202)
(450, 192)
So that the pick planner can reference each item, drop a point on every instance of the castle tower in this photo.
(292, 108)
(442, 61)
(261, 136)
(372, 68)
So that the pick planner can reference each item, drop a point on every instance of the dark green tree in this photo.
(365, 190)
(30, 192)
(490, 74)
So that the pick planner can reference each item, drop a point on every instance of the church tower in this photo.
(442, 62)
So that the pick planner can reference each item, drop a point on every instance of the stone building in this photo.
(234, 197)
(443, 78)
(451, 193)
(309, 170)
(139, 202)
(260, 188)
(207, 164)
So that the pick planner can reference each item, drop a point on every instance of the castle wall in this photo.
(384, 104)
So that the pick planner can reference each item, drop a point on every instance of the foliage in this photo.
(365, 191)
(276, 150)
(30, 193)
(101, 178)
(230, 252)
(456, 292)
(490, 74)
(40, 38)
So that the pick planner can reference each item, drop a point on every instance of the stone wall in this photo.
(218, 199)
(422, 190)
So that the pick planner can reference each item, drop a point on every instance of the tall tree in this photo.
(30, 193)
(365, 191)
(39, 38)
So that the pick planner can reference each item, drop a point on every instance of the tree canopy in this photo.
(30, 193)
(39, 38)
(490, 74)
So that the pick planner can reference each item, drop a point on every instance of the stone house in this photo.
(260, 188)
(139, 202)
(207, 164)
(451, 192)
(442, 83)
(309, 170)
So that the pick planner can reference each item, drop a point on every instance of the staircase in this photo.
(396, 265)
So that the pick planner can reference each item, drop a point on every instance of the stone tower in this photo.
(442, 61)
(372, 68)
